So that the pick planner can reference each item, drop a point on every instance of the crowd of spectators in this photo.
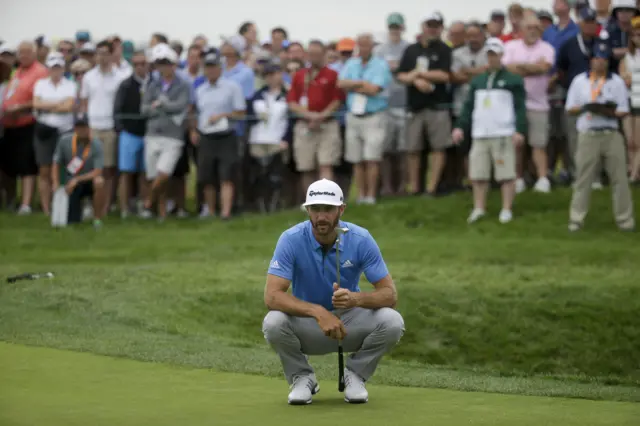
(257, 122)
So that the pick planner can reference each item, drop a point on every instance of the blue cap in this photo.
(587, 14)
(581, 4)
(601, 50)
(83, 35)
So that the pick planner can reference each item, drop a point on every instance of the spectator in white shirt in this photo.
(98, 94)
(121, 64)
(53, 101)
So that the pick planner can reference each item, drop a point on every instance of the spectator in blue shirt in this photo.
(237, 71)
(365, 80)
(558, 34)
(317, 313)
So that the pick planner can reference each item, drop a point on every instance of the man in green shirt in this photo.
(495, 111)
(77, 164)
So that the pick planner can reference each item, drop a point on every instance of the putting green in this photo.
(53, 387)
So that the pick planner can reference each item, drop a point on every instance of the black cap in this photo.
(211, 56)
(545, 14)
(497, 14)
(81, 119)
(271, 68)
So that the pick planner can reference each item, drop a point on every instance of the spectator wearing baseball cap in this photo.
(392, 172)
(546, 19)
(88, 52)
(82, 37)
(516, 15)
(78, 164)
(166, 102)
(17, 158)
(619, 30)
(496, 113)
(53, 100)
(365, 80)
(600, 99)
(232, 50)
(345, 48)
(572, 59)
(217, 101)
(425, 68)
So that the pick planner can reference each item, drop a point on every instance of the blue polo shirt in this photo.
(299, 258)
(377, 72)
(244, 76)
(557, 37)
(221, 97)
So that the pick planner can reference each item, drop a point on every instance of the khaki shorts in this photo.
(538, 128)
(109, 146)
(259, 150)
(435, 124)
(396, 140)
(364, 137)
(161, 154)
(318, 147)
(499, 153)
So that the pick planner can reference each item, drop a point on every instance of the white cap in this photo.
(494, 45)
(88, 47)
(163, 51)
(623, 4)
(54, 59)
(238, 42)
(324, 192)
(434, 16)
(5, 48)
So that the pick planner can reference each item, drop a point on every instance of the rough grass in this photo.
(524, 308)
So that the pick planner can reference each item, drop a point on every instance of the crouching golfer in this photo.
(318, 315)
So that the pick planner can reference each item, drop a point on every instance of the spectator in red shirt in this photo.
(516, 13)
(18, 155)
(315, 98)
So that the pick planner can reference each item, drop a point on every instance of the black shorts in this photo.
(182, 166)
(218, 157)
(44, 144)
(17, 156)
(83, 190)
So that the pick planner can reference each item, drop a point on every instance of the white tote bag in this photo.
(60, 208)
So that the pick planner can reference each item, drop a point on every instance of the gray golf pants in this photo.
(370, 334)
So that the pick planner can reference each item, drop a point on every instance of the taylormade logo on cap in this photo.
(324, 192)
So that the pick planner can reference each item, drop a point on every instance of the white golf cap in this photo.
(324, 192)
(55, 59)
(494, 45)
(162, 52)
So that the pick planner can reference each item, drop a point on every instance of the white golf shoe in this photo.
(302, 390)
(354, 389)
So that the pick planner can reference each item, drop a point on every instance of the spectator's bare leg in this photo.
(27, 187)
(437, 164)
(326, 172)
(99, 197)
(413, 172)
(540, 161)
(372, 171)
(520, 156)
(125, 187)
(209, 192)
(360, 180)
(226, 199)
(109, 177)
(480, 189)
(508, 190)
(157, 193)
(387, 175)
(307, 179)
(143, 187)
(179, 192)
(44, 188)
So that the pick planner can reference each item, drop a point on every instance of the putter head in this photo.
(342, 231)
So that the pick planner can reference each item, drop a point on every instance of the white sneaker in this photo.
(505, 216)
(521, 186)
(354, 390)
(124, 215)
(543, 185)
(146, 214)
(475, 215)
(24, 210)
(182, 214)
(597, 186)
(205, 214)
(302, 390)
(170, 205)
(87, 212)
(370, 200)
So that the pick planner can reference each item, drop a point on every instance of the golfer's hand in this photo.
(343, 298)
(331, 326)
(71, 185)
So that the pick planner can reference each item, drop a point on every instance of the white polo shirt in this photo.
(47, 91)
(100, 90)
(613, 90)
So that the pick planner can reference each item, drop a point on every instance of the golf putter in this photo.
(340, 232)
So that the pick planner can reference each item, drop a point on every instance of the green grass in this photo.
(56, 388)
(525, 308)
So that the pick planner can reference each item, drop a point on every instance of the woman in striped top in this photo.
(630, 71)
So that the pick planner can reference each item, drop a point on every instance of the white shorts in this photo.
(161, 154)
(365, 137)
